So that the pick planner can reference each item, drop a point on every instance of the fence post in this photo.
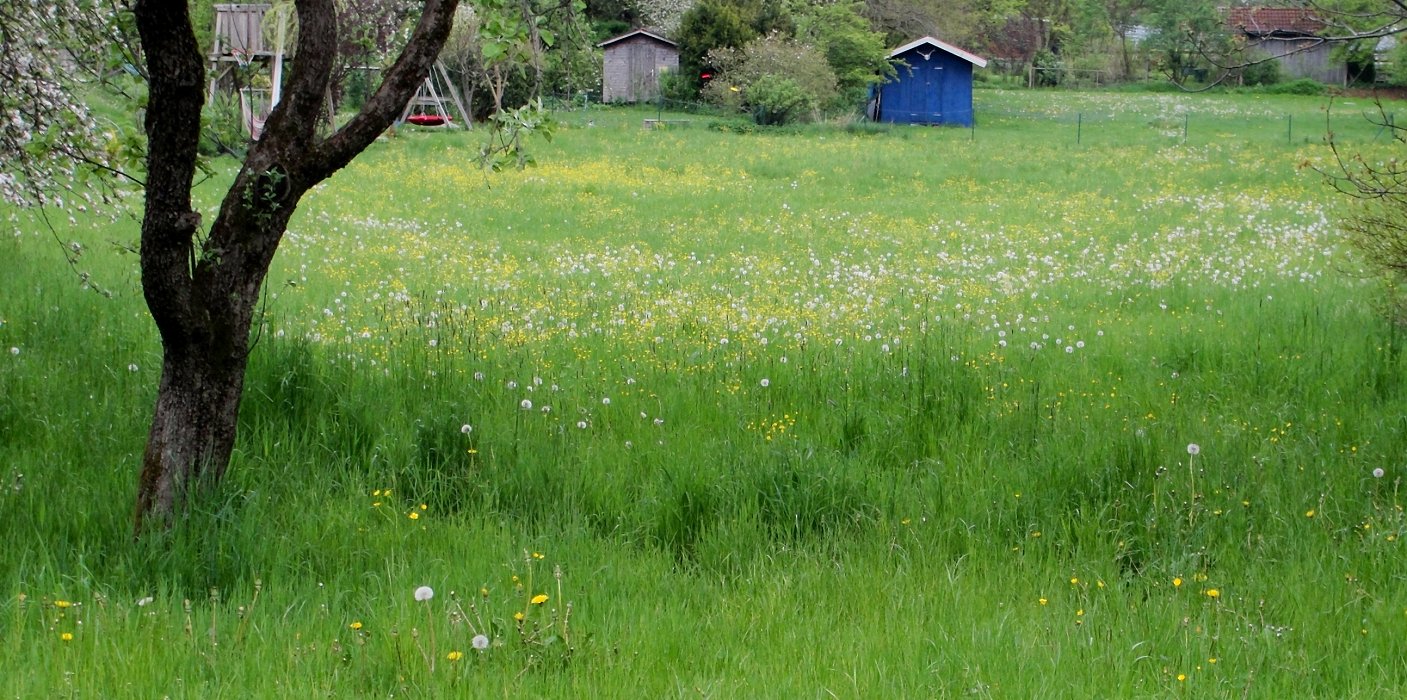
(1290, 129)
(1079, 126)
(1186, 119)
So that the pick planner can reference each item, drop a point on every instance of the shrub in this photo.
(1303, 86)
(1263, 73)
(777, 79)
(778, 100)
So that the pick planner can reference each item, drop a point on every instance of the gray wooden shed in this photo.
(634, 63)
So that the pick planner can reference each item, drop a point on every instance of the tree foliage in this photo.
(856, 54)
(55, 149)
(777, 79)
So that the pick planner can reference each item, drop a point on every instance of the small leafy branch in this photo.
(509, 128)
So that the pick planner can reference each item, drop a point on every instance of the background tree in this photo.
(857, 55)
(777, 79)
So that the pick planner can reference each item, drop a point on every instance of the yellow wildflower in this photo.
(66, 636)
(455, 655)
(539, 599)
(62, 604)
(1177, 582)
(413, 515)
(356, 625)
(1213, 593)
(518, 616)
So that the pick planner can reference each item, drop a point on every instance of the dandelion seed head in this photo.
(1378, 473)
(480, 642)
(526, 405)
(424, 593)
(1194, 449)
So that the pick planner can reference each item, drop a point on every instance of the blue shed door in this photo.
(929, 100)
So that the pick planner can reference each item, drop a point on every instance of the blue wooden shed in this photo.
(933, 85)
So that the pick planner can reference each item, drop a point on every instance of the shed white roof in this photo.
(969, 57)
(636, 32)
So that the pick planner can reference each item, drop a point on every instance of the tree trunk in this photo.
(202, 294)
(192, 431)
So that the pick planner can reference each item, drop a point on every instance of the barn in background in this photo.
(634, 63)
(933, 85)
(1293, 37)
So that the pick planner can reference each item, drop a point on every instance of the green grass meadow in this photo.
(1089, 401)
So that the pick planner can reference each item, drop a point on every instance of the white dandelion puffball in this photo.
(1378, 473)
(466, 428)
(605, 400)
(143, 602)
(424, 593)
(527, 405)
(480, 642)
(1194, 449)
(766, 383)
(581, 424)
(14, 351)
(132, 368)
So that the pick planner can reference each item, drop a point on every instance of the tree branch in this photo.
(398, 83)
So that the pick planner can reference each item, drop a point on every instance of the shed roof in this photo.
(964, 55)
(633, 33)
(1269, 21)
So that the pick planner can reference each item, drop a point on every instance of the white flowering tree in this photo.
(50, 145)
(201, 280)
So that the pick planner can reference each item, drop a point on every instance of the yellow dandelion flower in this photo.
(1080, 612)
(1181, 677)
(539, 599)
(424, 507)
(1043, 601)
(356, 625)
(413, 515)
(1213, 593)
(1074, 581)
(1212, 660)
(484, 591)
(377, 492)
(538, 555)
(1177, 582)
(1309, 513)
(455, 655)
(62, 604)
(518, 616)
(66, 636)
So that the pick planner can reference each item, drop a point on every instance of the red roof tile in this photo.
(1261, 21)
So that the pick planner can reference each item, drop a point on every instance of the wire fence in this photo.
(1107, 117)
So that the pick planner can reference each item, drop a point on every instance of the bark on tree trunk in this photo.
(192, 431)
(202, 294)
